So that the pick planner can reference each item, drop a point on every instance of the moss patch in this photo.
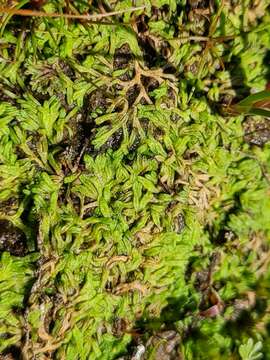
(143, 208)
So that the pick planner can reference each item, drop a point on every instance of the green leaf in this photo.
(253, 98)
(251, 351)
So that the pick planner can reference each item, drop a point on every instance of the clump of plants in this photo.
(134, 179)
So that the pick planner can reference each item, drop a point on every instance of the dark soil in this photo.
(9, 206)
(96, 100)
(12, 353)
(257, 131)
(122, 57)
(12, 239)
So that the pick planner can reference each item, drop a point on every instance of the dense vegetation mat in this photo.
(135, 212)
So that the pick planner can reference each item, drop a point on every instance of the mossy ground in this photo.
(142, 210)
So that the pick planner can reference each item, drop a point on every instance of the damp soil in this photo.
(74, 146)
(122, 57)
(257, 131)
(12, 353)
(12, 239)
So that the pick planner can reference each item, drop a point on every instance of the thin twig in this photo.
(26, 12)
